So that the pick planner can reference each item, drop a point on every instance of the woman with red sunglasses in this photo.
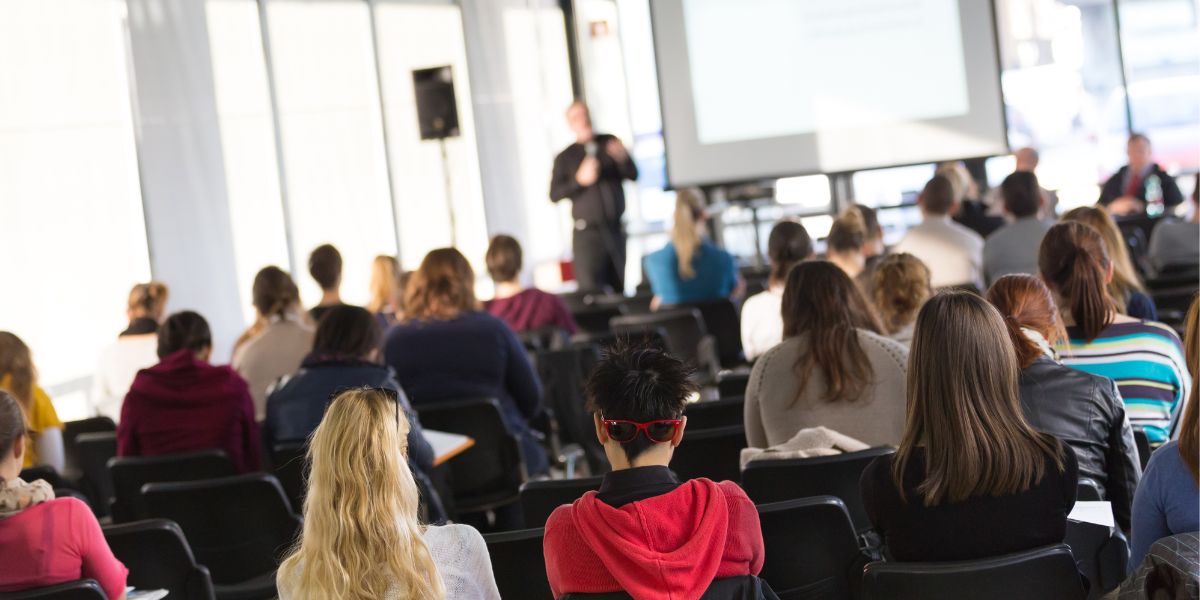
(645, 532)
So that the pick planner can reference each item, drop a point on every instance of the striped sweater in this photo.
(1146, 361)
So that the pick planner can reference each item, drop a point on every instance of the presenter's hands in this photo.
(1125, 205)
(589, 171)
(616, 150)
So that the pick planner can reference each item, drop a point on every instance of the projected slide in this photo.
(762, 88)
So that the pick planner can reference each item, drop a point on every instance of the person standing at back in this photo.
(1013, 248)
(522, 309)
(277, 341)
(589, 173)
(134, 350)
(645, 532)
(762, 325)
(325, 266)
(1144, 358)
(1131, 189)
(953, 253)
(690, 268)
(184, 404)
(970, 479)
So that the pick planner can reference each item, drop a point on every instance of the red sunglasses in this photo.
(659, 431)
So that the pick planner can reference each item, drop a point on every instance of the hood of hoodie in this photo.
(181, 379)
(668, 546)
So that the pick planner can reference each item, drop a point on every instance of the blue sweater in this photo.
(472, 356)
(1167, 502)
(716, 275)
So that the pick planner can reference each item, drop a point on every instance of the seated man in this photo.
(645, 532)
(1125, 193)
(953, 253)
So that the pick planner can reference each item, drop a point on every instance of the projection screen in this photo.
(754, 89)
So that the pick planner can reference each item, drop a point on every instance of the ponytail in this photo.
(685, 234)
(1074, 261)
(148, 299)
(1026, 303)
(849, 231)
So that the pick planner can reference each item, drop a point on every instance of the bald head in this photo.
(1027, 160)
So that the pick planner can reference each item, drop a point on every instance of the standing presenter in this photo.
(589, 173)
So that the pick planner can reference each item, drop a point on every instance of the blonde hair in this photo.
(148, 299)
(361, 538)
(385, 283)
(849, 231)
(685, 233)
(899, 288)
(1125, 278)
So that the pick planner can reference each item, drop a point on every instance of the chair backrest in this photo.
(72, 430)
(130, 473)
(1088, 491)
(733, 383)
(1142, 442)
(1101, 554)
(1047, 573)
(491, 472)
(712, 453)
(746, 587)
(546, 337)
(811, 549)
(158, 558)
(82, 589)
(540, 498)
(595, 319)
(93, 451)
(713, 414)
(289, 463)
(563, 374)
(837, 476)
(684, 328)
(722, 321)
(239, 527)
(519, 564)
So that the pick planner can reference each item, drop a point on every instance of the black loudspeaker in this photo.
(437, 110)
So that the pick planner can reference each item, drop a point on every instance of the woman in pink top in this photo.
(44, 541)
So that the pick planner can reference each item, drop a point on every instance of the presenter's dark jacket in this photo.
(601, 203)
(1116, 186)
(297, 404)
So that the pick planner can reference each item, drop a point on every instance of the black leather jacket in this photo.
(1086, 411)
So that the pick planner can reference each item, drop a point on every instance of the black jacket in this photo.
(1087, 413)
(298, 403)
(1115, 187)
(601, 203)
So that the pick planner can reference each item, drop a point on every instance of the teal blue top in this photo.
(716, 275)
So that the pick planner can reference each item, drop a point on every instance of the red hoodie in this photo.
(670, 546)
(184, 404)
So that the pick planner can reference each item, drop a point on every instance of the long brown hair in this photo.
(16, 363)
(1125, 278)
(899, 287)
(964, 408)
(443, 287)
(823, 302)
(1025, 301)
(1073, 261)
(1189, 432)
(788, 244)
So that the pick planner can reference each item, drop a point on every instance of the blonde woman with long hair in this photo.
(690, 268)
(386, 291)
(1125, 289)
(362, 539)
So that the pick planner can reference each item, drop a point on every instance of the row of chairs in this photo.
(812, 552)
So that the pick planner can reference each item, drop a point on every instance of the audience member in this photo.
(900, 288)
(846, 244)
(521, 308)
(1167, 498)
(762, 323)
(834, 368)
(361, 536)
(953, 253)
(1013, 248)
(134, 349)
(325, 266)
(344, 355)
(184, 404)
(1125, 288)
(645, 532)
(690, 268)
(1130, 188)
(277, 341)
(45, 541)
(1144, 358)
(1027, 159)
(969, 209)
(43, 429)
(970, 478)
(1173, 242)
(385, 290)
(448, 349)
(1081, 409)
(873, 250)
